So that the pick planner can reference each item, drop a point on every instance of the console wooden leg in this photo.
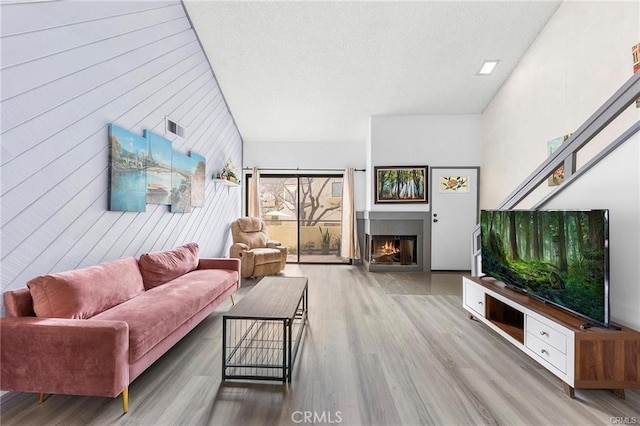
(569, 390)
(41, 398)
(125, 399)
(618, 392)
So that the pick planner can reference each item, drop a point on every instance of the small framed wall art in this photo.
(454, 184)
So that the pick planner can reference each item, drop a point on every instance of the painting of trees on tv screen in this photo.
(556, 255)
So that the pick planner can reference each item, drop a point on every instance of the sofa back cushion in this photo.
(19, 303)
(162, 266)
(83, 293)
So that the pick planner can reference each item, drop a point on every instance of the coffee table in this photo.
(261, 333)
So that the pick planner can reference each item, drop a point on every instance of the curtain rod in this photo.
(297, 169)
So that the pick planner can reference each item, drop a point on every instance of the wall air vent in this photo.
(175, 128)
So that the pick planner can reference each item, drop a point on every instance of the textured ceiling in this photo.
(316, 71)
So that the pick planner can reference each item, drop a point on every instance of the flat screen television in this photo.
(558, 256)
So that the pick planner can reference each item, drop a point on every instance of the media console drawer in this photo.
(547, 334)
(546, 352)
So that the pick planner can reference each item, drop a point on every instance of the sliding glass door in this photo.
(278, 201)
(304, 213)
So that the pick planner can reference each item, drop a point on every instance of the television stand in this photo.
(583, 356)
(588, 325)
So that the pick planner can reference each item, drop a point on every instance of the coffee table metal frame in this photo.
(259, 345)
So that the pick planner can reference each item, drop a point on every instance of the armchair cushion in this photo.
(255, 240)
(163, 266)
(83, 293)
(250, 224)
(250, 231)
(266, 255)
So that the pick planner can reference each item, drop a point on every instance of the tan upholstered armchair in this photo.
(258, 255)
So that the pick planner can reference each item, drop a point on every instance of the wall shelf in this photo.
(225, 183)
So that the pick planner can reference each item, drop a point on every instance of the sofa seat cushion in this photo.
(156, 313)
(266, 255)
(83, 293)
(163, 266)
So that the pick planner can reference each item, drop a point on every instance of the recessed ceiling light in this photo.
(488, 66)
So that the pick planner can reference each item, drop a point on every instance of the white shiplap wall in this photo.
(67, 70)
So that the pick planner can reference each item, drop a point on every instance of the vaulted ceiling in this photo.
(316, 71)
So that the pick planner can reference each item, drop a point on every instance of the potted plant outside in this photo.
(325, 241)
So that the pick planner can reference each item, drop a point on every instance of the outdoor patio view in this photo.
(304, 213)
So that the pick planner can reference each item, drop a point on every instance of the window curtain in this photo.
(254, 194)
(349, 247)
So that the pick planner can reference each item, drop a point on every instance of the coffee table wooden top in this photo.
(272, 298)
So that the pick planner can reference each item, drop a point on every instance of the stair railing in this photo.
(566, 155)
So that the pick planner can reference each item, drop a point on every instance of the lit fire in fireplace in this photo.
(385, 248)
(393, 250)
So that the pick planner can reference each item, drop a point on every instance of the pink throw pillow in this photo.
(83, 293)
(162, 266)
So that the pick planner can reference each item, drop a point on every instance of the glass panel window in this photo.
(279, 203)
(304, 213)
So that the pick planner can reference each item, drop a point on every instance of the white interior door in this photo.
(454, 213)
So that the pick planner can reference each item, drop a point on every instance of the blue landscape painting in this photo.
(198, 179)
(182, 169)
(158, 169)
(128, 177)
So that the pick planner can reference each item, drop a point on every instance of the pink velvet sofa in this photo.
(92, 331)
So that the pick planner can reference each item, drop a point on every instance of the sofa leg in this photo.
(41, 398)
(233, 302)
(125, 399)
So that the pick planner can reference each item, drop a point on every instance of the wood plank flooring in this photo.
(379, 349)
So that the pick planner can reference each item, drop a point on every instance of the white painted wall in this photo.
(579, 60)
(415, 140)
(309, 155)
(68, 70)
(594, 191)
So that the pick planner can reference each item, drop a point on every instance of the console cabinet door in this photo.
(474, 298)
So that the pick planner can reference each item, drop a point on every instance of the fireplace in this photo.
(393, 250)
(395, 241)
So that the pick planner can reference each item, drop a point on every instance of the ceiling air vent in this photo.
(175, 128)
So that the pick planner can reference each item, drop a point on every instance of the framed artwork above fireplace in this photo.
(400, 184)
